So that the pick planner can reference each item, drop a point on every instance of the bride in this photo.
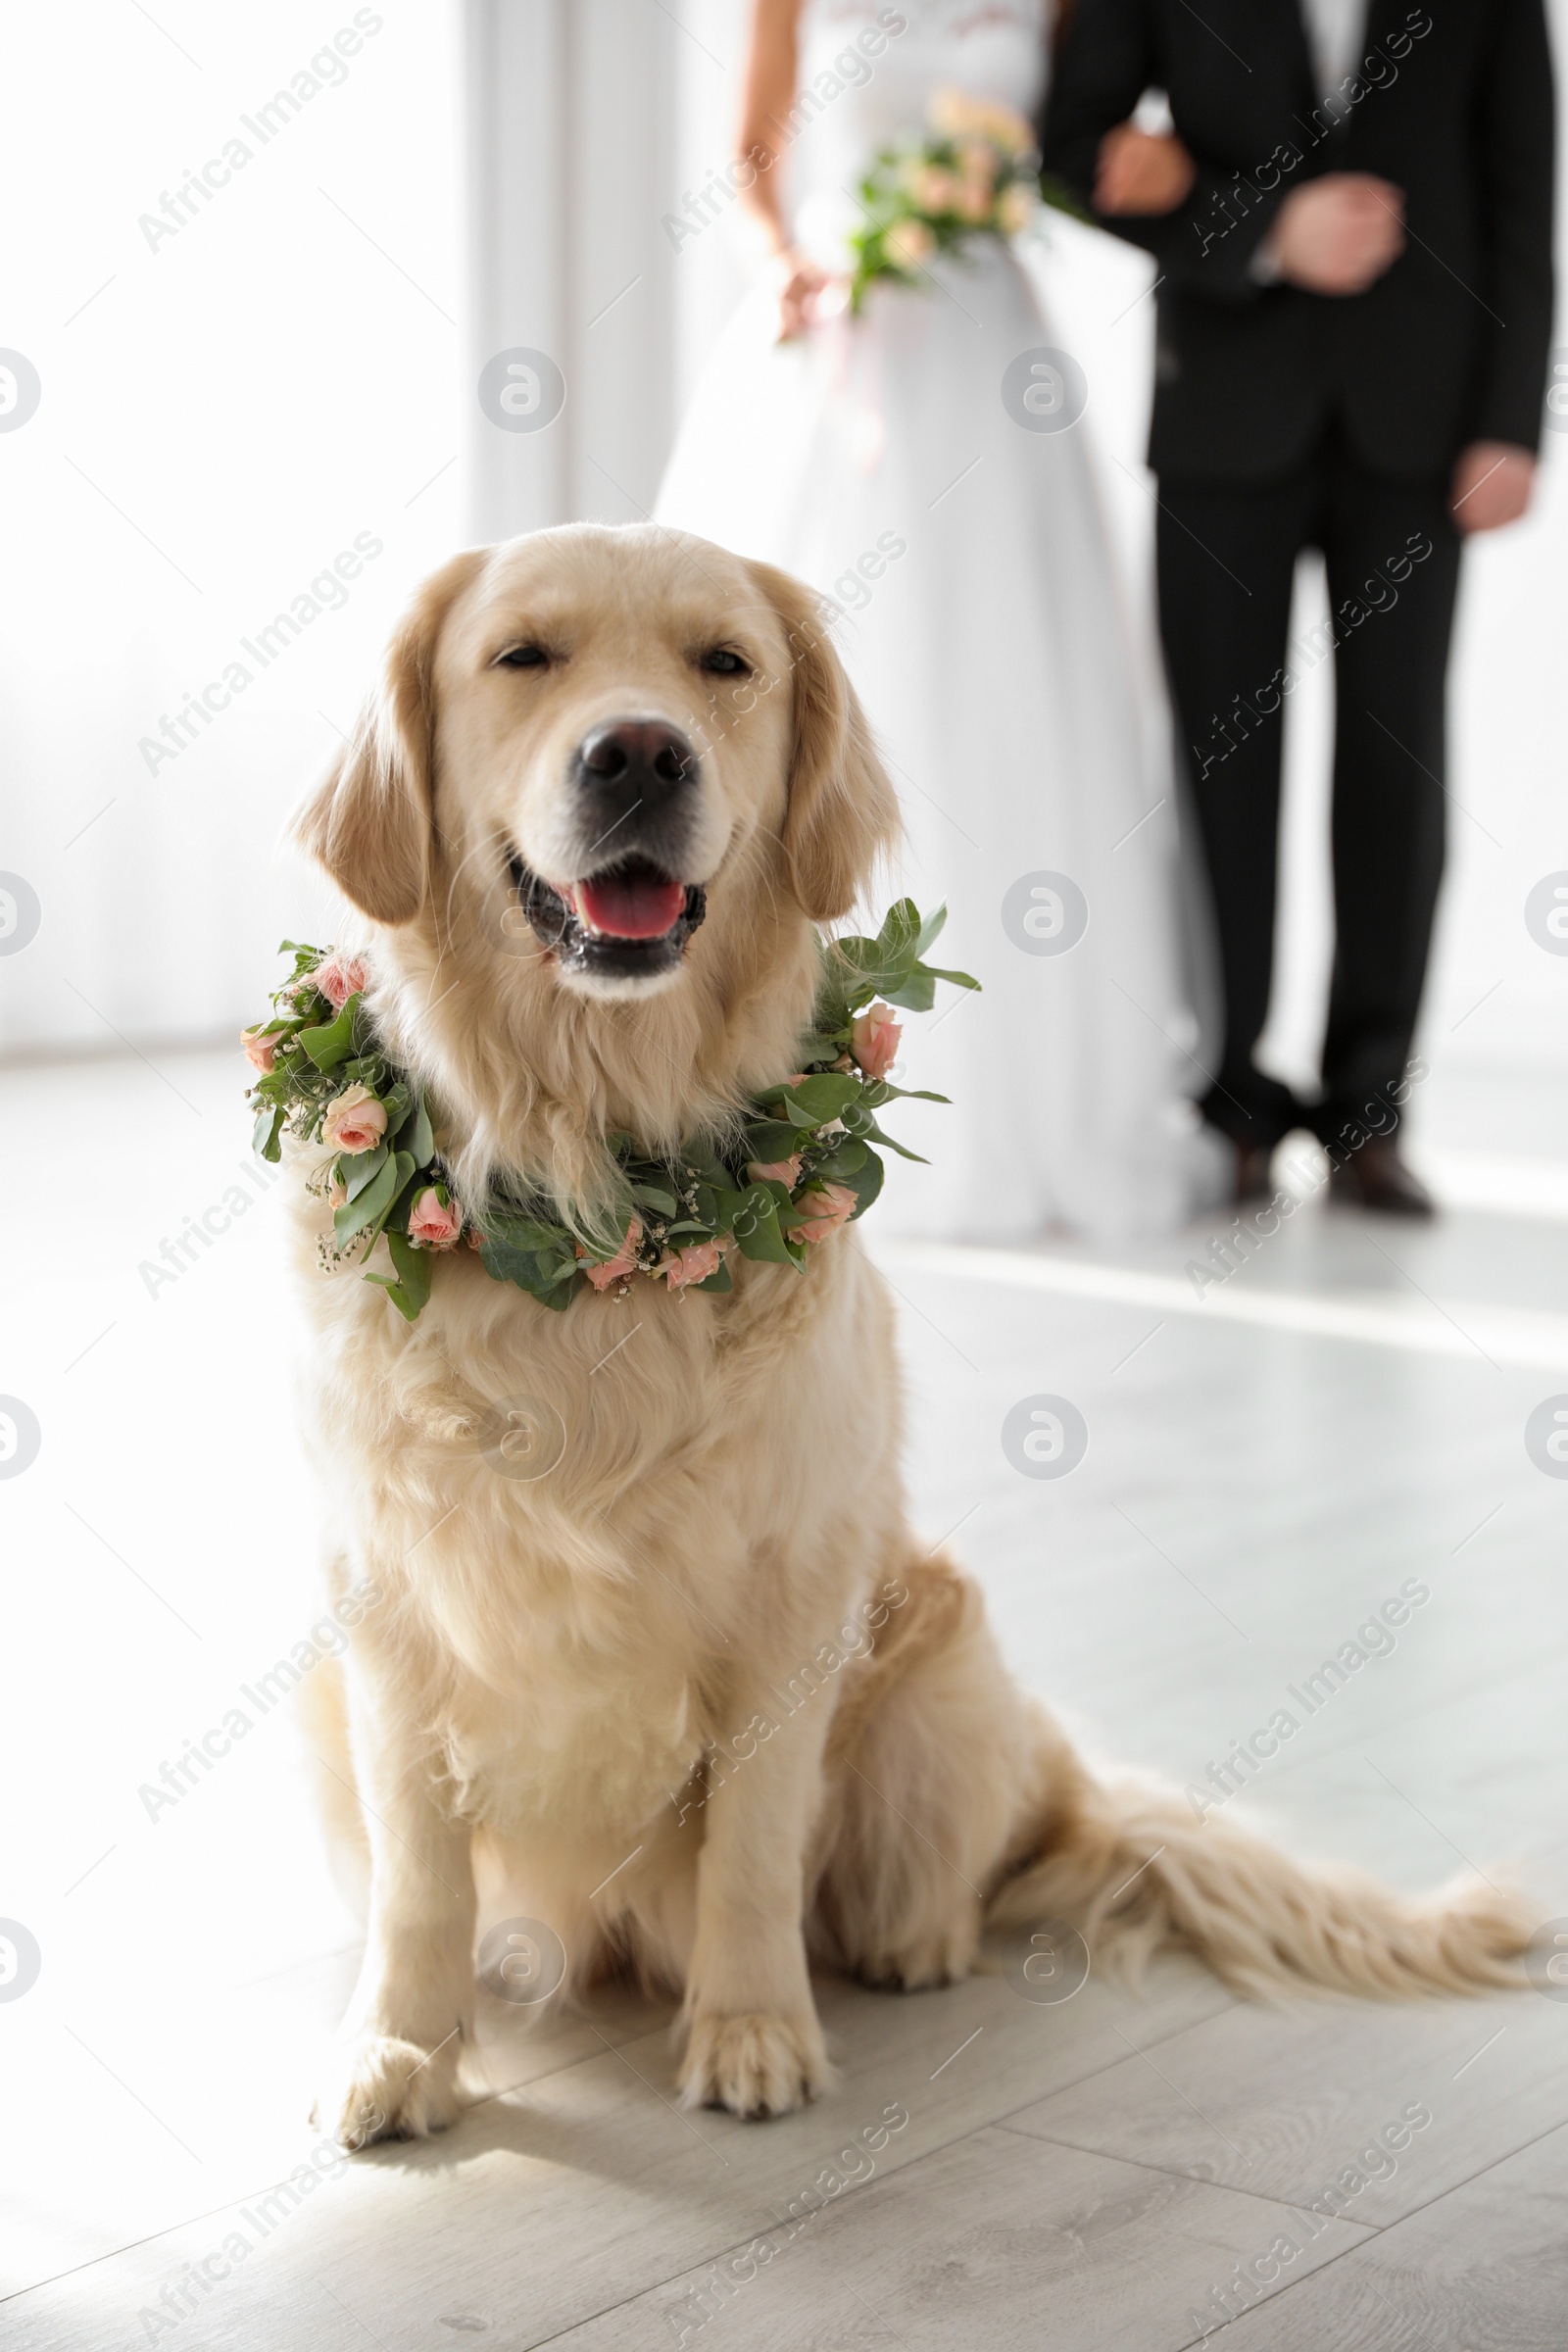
(895, 459)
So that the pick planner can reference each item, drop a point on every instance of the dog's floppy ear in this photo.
(368, 821)
(842, 808)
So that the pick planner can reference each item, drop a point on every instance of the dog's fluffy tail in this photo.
(1132, 1868)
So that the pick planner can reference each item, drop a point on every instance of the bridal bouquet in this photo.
(797, 1164)
(976, 175)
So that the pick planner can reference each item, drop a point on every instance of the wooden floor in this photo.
(1266, 1465)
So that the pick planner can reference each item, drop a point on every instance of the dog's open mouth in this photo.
(629, 920)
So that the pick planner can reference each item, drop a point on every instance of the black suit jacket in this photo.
(1454, 104)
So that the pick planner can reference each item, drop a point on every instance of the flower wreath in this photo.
(798, 1163)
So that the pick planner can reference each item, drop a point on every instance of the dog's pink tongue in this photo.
(636, 906)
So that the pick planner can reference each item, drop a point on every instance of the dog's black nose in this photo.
(646, 756)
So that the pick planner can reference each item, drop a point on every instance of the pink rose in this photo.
(977, 192)
(260, 1051)
(625, 1262)
(435, 1223)
(355, 1123)
(338, 978)
(876, 1035)
(694, 1263)
(821, 1211)
(775, 1171)
(908, 243)
(933, 189)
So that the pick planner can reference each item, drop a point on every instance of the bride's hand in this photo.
(1142, 172)
(799, 285)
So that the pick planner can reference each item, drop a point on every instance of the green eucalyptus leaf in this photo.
(821, 1049)
(561, 1297)
(930, 929)
(916, 994)
(514, 1231)
(357, 1168)
(844, 1163)
(899, 934)
(414, 1268)
(407, 1305)
(888, 1143)
(414, 1134)
(815, 1099)
(506, 1264)
(374, 1203)
(756, 1228)
(772, 1139)
(410, 1286)
(329, 1046)
(794, 1113)
(864, 1183)
(706, 1165)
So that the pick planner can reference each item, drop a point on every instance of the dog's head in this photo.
(606, 765)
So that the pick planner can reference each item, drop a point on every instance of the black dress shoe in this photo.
(1376, 1177)
(1252, 1165)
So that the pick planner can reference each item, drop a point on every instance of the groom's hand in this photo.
(1142, 172)
(1492, 485)
(1337, 234)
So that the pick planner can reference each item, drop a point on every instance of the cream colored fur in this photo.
(541, 1688)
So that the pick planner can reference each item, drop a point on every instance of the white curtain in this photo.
(239, 282)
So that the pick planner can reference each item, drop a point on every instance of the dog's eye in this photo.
(521, 657)
(723, 662)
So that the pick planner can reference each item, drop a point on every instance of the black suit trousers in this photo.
(1226, 560)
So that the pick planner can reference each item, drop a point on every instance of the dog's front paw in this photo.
(385, 2088)
(754, 2064)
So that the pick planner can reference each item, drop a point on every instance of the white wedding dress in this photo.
(996, 664)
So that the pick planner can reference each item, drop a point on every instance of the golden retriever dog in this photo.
(611, 784)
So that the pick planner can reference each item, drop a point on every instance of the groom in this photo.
(1353, 300)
